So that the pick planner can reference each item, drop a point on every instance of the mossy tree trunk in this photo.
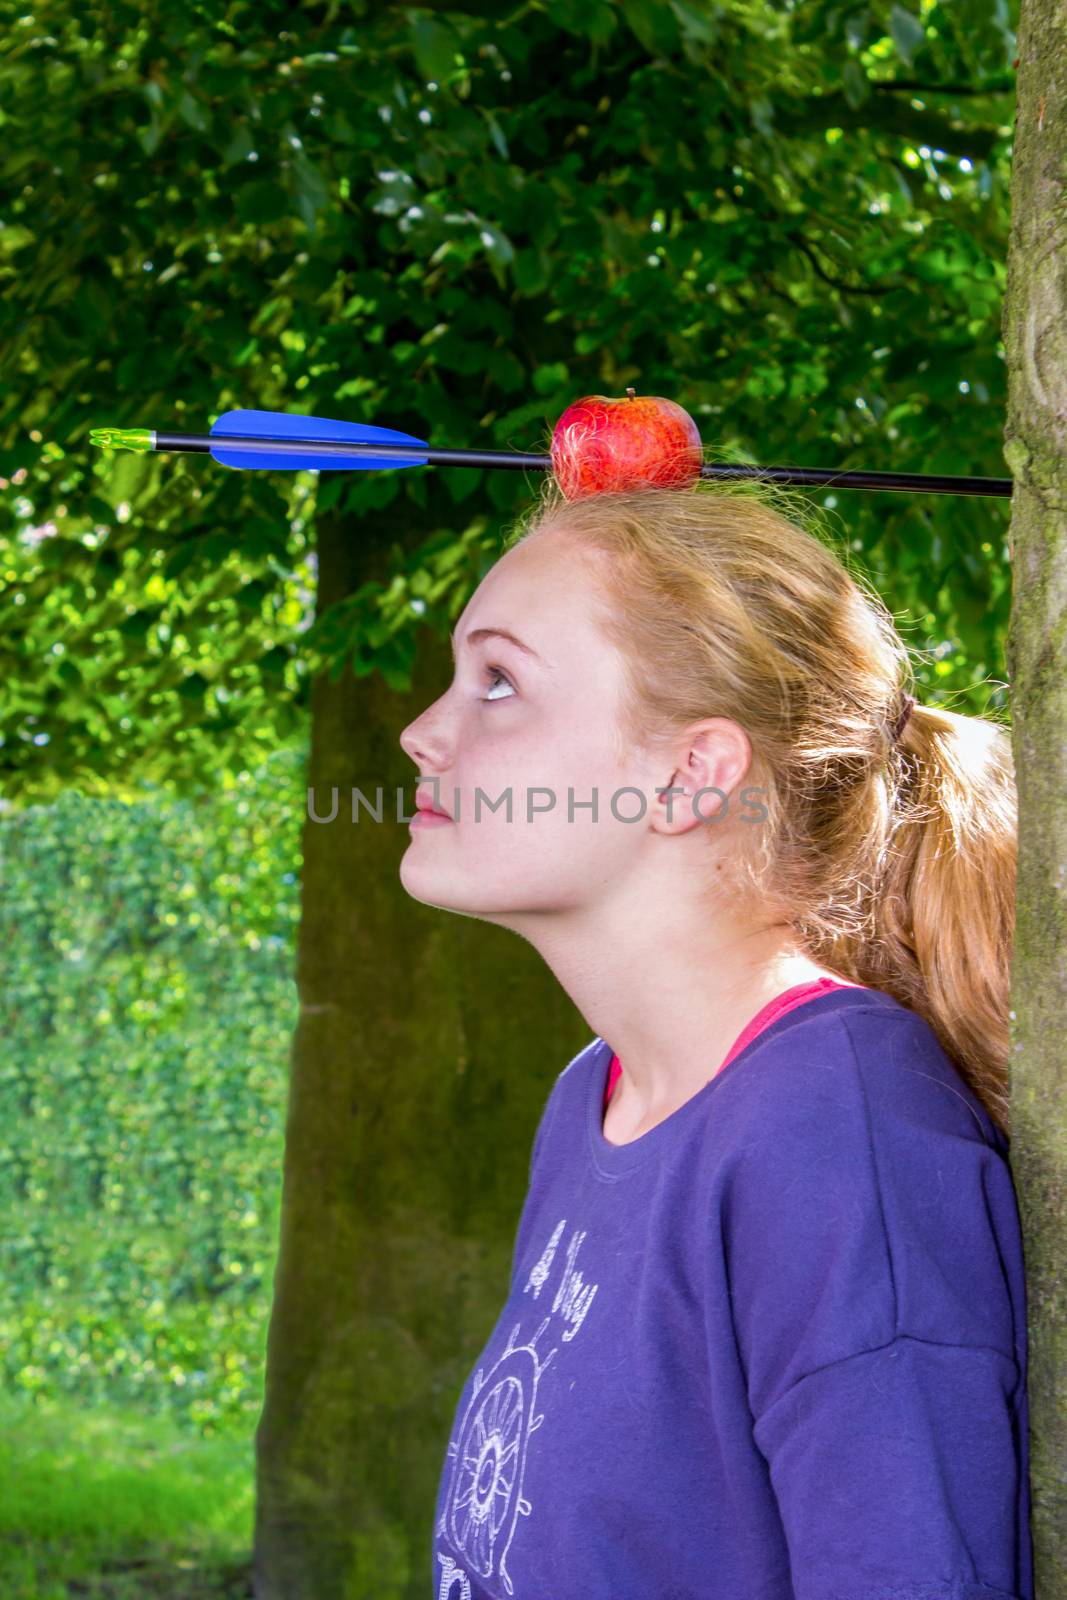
(426, 1046)
(1035, 336)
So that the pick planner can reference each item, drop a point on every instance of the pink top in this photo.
(774, 1008)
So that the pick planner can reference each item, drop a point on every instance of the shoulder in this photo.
(570, 1088)
(850, 1074)
(858, 1170)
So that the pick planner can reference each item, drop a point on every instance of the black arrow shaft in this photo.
(810, 477)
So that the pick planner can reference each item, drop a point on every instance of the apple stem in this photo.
(630, 392)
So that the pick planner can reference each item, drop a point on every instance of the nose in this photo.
(416, 742)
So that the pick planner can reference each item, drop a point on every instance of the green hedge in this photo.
(147, 963)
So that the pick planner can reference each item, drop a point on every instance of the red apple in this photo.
(601, 445)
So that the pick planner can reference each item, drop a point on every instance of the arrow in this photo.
(281, 442)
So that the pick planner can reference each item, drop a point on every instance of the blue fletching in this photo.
(284, 425)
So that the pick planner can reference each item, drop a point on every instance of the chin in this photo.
(422, 883)
(431, 893)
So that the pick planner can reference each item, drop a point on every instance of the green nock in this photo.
(121, 438)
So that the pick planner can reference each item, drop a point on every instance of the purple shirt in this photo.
(774, 1349)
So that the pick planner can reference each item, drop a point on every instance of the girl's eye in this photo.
(495, 672)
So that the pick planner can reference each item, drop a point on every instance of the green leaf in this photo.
(239, 147)
(854, 83)
(329, 490)
(495, 134)
(586, 19)
(600, 21)
(857, 28)
(191, 112)
(763, 115)
(353, 386)
(14, 237)
(341, 129)
(310, 190)
(430, 167)
(653, 24)
(907, 31)
(461, 482)
(497, 245)
(506, 370)
(148, 138)
(435, 46)
(547, 379)
(453, 353)
(699, 23)
(130, 475)
(531, 271)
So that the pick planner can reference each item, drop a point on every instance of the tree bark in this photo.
(425, 1049)
(1035, 337)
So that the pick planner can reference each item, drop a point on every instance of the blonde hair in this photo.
(893, 861)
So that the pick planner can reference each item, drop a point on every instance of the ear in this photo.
(710, 761)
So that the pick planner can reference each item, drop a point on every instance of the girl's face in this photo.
(537, 725)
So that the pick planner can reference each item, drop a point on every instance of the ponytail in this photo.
(944, 898)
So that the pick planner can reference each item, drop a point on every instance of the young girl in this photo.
(766, 1334)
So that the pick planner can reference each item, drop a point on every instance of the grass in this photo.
(106, 1504)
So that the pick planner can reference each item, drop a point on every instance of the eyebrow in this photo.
(499, 633)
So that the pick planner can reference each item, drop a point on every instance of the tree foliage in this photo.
(455, 219)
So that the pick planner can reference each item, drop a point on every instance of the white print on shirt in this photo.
(539, 1273)
(569, 1294)
(449, 1579)
(484, 1500)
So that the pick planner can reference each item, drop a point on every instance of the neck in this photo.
(672, 1003)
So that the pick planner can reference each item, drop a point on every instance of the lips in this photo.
(422, 804)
